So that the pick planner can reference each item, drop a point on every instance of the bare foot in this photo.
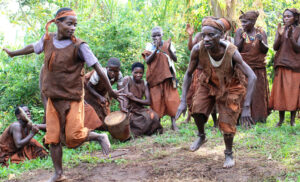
(229, 162)
(197, 144)
(105, 144)
(279, 124)
(174, 127)
(57, 177)
(292, 123)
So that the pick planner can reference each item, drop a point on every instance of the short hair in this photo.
(159, 28)
(295, 13)
(60, 10)
(113, 62)
(17, 110)
(137, 65)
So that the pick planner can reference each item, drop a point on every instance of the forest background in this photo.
(114, 29)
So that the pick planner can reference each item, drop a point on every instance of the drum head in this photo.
(115, 118)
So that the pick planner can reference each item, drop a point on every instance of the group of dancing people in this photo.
(225, 75)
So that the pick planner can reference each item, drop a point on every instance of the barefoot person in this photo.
(253, 46)
(143, 121)
(285, 95)
(222, 83)
(96, 93)
(17, 143)
(65, 56)
(160, 75)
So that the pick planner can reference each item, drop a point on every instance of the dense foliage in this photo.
(111, 29)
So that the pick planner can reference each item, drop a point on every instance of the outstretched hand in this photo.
(189, 29)
(181, 110)
(246, 119)
(8, 52)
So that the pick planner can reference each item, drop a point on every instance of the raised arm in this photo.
(295, 42)
(246, 119)
(172, 54)
(278, 37)
(103, 78)
(188, 79)
(26, 50)
(16, 131)
(263, 42)
(151, 57)
(238, 39)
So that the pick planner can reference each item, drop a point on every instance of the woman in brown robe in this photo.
(143, 121)
(253, 46)
(285, 95)
(17, 143)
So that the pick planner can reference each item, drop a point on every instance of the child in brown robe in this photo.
(253, 46)
(285, 95)
(160, 76)
(17, 143)
(63, 85)
(143, 121)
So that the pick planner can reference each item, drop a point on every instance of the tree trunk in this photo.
(217, 11)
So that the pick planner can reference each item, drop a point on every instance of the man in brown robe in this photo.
(143, 121)
(17, 143)
(253, 46)
(96, 94)
(285, 95)
(160, 76)
(221, 83)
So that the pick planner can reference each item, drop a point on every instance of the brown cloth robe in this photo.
(102, 110)
(285, 95)
(223, 86)
(143, 121)
(62, 84)
(193, 88)
(164, 98)
(9, 151)
(252, 55)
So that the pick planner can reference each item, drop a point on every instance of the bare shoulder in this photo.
(15, 126)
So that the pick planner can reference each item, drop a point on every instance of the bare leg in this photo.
(173, 125)
(188, 119)
(281, 118)
(293, 115)
(56, 155)
(200, 120)
(229, 162)
(102, 139)
(214, 116)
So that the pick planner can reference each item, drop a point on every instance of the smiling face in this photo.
(288, 18)
(211, 37)
(137, 74)
(156, 35)
(27, 112)
(247, 24)
(67, 27)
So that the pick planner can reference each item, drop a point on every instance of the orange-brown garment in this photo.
(285, 95)
(286, 56)
(164, 98)
(65, 122)
(143, 121)
(194, 85)
(91, 119)
(256, 60)
(102, 110)
(9, 151)
(224, 86)
(158, 70)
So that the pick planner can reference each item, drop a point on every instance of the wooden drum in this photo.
(118, 125)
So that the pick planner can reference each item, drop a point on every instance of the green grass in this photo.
(264, 140)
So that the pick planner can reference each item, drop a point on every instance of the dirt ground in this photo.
(156, 162)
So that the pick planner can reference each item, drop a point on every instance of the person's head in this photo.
(211, 33)
(25, 109)
(156, 34)
(226, 24)
(291, 17)
(66, 22)
(137, 70)
(248, 19)
(113, 68)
